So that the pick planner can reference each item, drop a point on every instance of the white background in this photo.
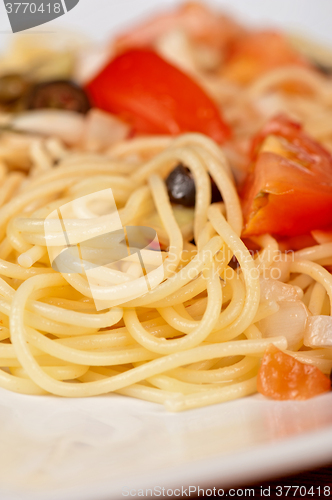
(100, 18)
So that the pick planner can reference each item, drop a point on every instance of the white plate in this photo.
(95, 449)
(99, 448)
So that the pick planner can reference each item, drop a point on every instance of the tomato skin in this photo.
(283, 126)
(283, 377)
(287, 193)
(255, 53)
(155, 97)
(294, 203)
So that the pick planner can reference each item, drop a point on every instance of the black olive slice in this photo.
(59, 94)
(216, 196)
(323, 68)
(181, 186)
(182, 190)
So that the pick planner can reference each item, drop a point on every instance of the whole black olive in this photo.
(216, 196)
(59, 94)
(12, 88)
(181, 186)
(234, 263)
(322, 68)
(182, 190)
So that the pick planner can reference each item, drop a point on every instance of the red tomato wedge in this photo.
(283, 377)
(155, 97)
(289, 190)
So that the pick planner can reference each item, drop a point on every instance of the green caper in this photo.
(12, 88)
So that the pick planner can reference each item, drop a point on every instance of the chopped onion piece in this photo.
(175, 46)
(66, 125)
(318, 332)
(90, 61)
(270, 105)
(290, 321)
(102, 130)
(273, 290)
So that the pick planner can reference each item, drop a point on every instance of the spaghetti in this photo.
(196, 338)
